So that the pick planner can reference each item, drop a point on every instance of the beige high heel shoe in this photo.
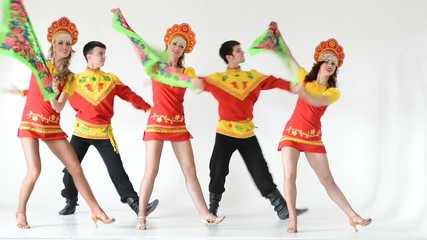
(141, 223)
(292, 225)
(211, 219)
(101, 216)
(358, 220)
(21, 221)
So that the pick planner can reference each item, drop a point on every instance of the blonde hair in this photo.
(62, 69)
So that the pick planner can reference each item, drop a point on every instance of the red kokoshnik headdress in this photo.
(328, 50)
(62, 25)
(184, 31)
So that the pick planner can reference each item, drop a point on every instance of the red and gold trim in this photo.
(153, 128)
(62, 25)
(241, 129)
(329, 46)
(184, 31)
(299, 140)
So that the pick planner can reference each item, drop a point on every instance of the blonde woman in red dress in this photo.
(167, 123)
(41, 121)
(302, 133)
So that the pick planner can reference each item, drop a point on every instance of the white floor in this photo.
(182, 223)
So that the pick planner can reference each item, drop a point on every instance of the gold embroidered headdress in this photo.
(329, 50)
(183, 31)
(60, 29)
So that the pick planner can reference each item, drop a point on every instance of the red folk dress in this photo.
(39, 119)
(303, 131)
(166, 121)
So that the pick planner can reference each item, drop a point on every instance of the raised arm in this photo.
(272, 41)
(154, 61)
(328, 97)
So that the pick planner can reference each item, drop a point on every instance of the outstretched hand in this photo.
(197, 85)
(12, 90)
(116, 10)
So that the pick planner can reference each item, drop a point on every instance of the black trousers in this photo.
(111, 159)
(251, 153)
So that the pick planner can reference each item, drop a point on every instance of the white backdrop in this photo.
(375, 135)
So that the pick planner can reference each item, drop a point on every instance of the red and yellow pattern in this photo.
(242, 129)
(236, 92)
(94, 102)
(39, 119)
(184, 31)
(303, 130)
(236, 82)
(63, 25)
(167, 121)
(329, 46)
(95, 86)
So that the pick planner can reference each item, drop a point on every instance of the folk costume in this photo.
(237, 92)
(94, 102)
(39, 119)
(167, 121)
(303, 131)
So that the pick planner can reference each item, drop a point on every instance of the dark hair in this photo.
(227, 49)
(332, 81)
(87, 49)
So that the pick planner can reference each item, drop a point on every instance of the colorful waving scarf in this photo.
(18, 40)
(154, 61)
(272, 41)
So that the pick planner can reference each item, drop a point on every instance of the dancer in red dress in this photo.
(41, 121)
(167, 123)
(302, 133)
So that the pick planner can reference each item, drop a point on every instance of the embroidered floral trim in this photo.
(37, 129)
(236, 82)
(89, 130)
(40, 117)
(310, 134)
(241, 129)
(308, 142)
(163, 118)
(249, 75)
(162, 130)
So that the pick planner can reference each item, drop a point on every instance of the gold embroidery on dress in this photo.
(163, 118)
(160, 130)
(36, 117)
(315, 143)
(40, 128)
(310, 134)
